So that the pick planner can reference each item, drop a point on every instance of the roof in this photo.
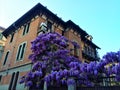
(75, 27)
(83, 33)
(40, 9)
(36, 10)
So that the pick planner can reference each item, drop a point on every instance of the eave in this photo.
(36, 10)
(70, 24)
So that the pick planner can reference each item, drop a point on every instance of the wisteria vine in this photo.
(53, 63)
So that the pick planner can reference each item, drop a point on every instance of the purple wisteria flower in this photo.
(70, 81)
(75, 44)
(29, 83)
(53, 63)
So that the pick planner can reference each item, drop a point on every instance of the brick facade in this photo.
(24, 65)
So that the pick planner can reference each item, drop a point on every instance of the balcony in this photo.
(90, 55)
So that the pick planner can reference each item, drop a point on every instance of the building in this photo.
(39, 19)
(2, 41)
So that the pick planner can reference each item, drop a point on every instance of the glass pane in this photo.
(19, 52)
(22, 52)
(6, 58)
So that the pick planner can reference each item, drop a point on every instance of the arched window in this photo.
(26, 29)
(15, 80)
(11, 81)
(21, 51)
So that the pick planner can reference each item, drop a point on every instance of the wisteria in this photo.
(53, 63)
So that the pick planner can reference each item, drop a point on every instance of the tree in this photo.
(53, 63)
(111, 63)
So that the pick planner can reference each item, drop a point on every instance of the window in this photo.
(26, 29)
(49, 26)
(63, 33)
(13, 82)
(89, 51)
(93, 53)
(0, 78)
(85, 49)
(11, 37)
(1, 51)
(21, 50)
(75, 51)
(6, 58)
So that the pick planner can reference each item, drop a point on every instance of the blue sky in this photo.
(100, 18)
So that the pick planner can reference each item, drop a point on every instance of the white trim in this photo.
(19, 68)
(36, 16)
(32, 19)
(44, 17)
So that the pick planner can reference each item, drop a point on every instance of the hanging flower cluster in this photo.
(112, 64)
(53, 63)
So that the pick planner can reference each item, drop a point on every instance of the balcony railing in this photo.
(90, 55)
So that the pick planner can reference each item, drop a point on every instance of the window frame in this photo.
(26, 29)
(76, 50)
(11, 81)
(6, 57)
(20, 51)
(16, 77)
(49, 25)
(1, 78)
(12, 37)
